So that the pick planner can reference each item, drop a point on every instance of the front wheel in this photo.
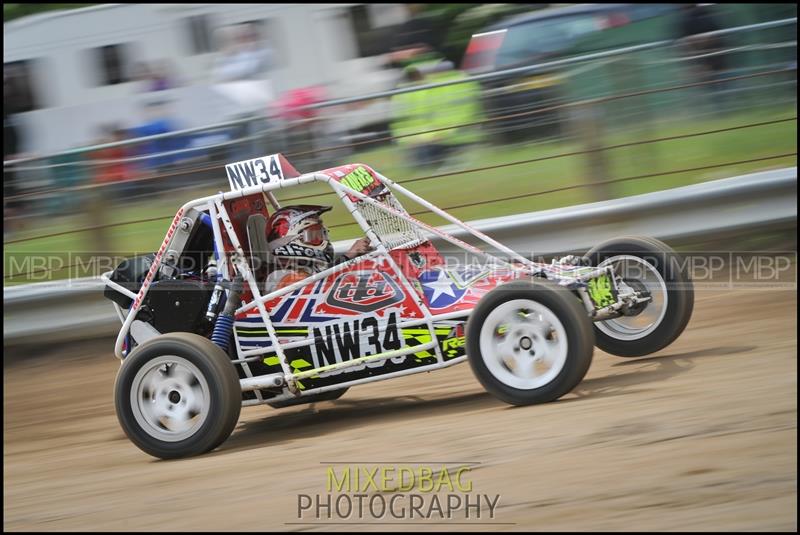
(529, 342)
(651, 268)
(177, 395)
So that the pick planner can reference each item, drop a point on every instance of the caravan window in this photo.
(19, 94)
(199, 32)
(112, 64)
(359, 18)
(372, 38)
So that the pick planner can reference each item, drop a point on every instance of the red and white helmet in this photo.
(297, 238)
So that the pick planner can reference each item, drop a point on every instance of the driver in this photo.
(298, 242)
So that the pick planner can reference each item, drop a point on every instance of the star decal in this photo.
(440, 286)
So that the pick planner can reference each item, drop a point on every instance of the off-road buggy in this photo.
(200, 338)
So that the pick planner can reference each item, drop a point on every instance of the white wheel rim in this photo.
(630, 328)
(170, 398)
(523, 344)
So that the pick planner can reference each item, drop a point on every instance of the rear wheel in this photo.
(529, 342)
(651, 267)
(177, 395)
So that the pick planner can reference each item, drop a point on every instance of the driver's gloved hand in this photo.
(361, 246)
(574, 260)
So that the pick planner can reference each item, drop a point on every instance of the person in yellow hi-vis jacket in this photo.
(429, 113)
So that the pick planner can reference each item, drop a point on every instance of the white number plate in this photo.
(255, 172)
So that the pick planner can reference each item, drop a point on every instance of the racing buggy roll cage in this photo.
(233, 264)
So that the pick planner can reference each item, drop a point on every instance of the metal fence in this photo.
(654, 113)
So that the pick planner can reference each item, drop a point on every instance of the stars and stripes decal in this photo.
(460, 289)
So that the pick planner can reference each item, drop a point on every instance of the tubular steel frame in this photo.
(220, 218)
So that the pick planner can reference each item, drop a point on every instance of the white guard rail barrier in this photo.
(69, 310)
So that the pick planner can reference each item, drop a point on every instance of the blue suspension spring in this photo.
(222, 331)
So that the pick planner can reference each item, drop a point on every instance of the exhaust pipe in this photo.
(263, 381)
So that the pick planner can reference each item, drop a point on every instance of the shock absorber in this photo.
(223, 327)
(215, 302)
(213, 274)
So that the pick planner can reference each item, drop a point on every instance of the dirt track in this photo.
(702, 435)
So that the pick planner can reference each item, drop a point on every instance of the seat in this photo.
(260, 257)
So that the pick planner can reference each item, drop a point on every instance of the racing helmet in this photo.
(297, 238)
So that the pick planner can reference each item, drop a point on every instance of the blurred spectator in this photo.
(11, 149)
(293, 105)
(110, 167)
(16, 99)
(157, 121)
(155, 76)
(414, 38)
(410, 116)
(708, 63)
(243, 56)
(305, 129)
(429, 113)
(162, 76)
(69, 169)
(141, 72)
